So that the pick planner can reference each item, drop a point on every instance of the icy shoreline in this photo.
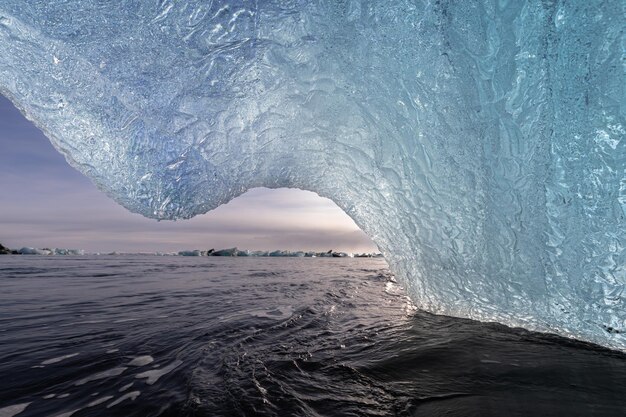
(211, 252)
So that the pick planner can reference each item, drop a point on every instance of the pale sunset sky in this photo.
(46, 203)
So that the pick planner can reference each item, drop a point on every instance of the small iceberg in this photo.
(33, 251)
(68, 252)
(51, 252)
(225, 252)
(190, 253)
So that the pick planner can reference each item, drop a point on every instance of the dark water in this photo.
(150, 336)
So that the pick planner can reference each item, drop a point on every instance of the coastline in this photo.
(232, 252)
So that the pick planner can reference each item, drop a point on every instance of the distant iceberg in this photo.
(69, 252)
(225, 252)
(276, 253)
(34, 251)
(51, 252)
(190, 253)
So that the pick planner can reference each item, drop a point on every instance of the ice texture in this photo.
(479, 143)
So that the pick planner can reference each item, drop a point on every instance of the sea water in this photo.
(185, 336)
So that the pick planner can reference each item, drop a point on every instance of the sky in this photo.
(46, 203)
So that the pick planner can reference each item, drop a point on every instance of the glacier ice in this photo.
(480, 144)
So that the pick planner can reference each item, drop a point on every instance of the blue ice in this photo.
(480, 144)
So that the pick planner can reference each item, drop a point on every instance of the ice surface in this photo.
(480, 144)
(33, 251)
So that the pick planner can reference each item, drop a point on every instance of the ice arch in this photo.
(480, 144)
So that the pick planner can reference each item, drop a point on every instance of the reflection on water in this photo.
(149, 336)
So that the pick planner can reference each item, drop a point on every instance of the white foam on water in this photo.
(13, 410)
(49, 396)
(394, 289)
(124, 320)
(127, 386)
(112, 350)
(99, 401)
(131, 395)
(102, 375)
(409, 308)
(154, 375)
(83, 322)
(64, 395)
(141, 361)
(59, 358)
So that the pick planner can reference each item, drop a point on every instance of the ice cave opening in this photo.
(481, 145)
(280, 222)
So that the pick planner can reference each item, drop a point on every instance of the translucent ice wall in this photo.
(479, 143)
